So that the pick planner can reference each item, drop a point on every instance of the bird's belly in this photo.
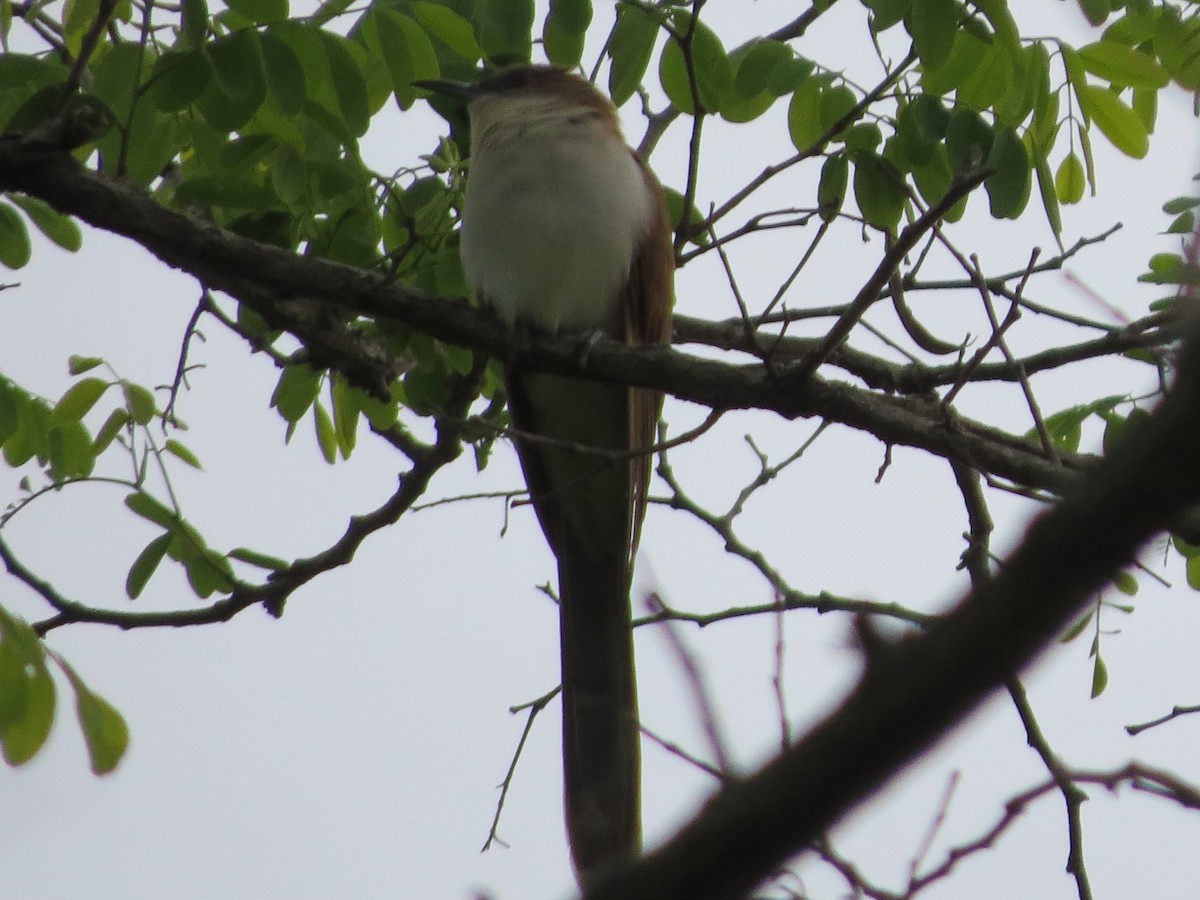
(548, 236)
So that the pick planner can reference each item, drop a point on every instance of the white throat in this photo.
(556, 207)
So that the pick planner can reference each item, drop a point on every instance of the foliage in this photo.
(250, 118)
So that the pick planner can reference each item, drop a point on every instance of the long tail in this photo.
(601, 746)
(587, 505)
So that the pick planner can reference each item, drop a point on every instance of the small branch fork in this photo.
(534, 707)
(913, 691)
(272, 282)
(272, 594)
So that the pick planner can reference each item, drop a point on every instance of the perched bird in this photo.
(564, 229)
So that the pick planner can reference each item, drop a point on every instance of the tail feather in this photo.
(601, 744)
(586, 505)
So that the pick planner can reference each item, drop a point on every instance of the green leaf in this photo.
(968, 140)
(758, 65)
(239, 85)
(1177, 205)
(23, 70)
(504, 29)
(831, 191)
(70, 451)
(1185, 223)
(1096, 11)
(1002, 21)
(863, 136)
(886, 13)
(79, 399)
(752, 91)
(991, 80)
(194, 23)
(1030, 71)
(175, 448)
(1008, 189)
(1145, 104)
(1193, 572)
(1120, 124)
(449, 27)
(145, 564)
(23, 737)
(1043, 130)
(407, 52)
(287, 86)
(346, 408)
(349, 84)
(116, 420)
(261, 560)
(179, 77)
(964, 59)
(1099, 677)
(933, 25)
(804, 116)
(237, 65)
(1176, 43)
(15, 248)
(1066, 426)
(934, 179)
(917, 131)
(712, 69)
(694, 220)
(1126, 584)
(564, 31)
(77, 17)
(260, 11)
(148, 508)
(139, 401)
(13, 686)
(61, 229)
(104, 729)
(296, 391)
(878, 190)
(77, 365)
(1069, 180)
(207, 573)
(836, 104)
(1089, 163)
(326, 435)
(32, 436)
(10, 414)
(1184, 548)
(1077, 628)
(789, 75)
(1123, 65)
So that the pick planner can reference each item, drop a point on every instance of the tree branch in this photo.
(311, 298)
(914, 692)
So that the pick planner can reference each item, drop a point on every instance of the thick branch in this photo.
(914, 692)
(312, 297)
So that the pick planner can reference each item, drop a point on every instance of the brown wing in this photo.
(649, 298)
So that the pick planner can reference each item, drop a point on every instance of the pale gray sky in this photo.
(353, 748)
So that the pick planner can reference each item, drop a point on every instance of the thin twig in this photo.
(534, 707)
(700, 693)
(869, 293)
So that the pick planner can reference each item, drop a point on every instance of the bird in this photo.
(566, 230)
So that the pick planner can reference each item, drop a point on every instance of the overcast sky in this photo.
(353, 748)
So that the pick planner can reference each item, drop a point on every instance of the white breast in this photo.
(553, 215)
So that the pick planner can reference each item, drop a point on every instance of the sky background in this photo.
(353, 747)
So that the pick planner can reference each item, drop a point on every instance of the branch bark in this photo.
(914, 692)
(316, 300)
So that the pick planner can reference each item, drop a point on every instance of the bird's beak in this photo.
(460, 89)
